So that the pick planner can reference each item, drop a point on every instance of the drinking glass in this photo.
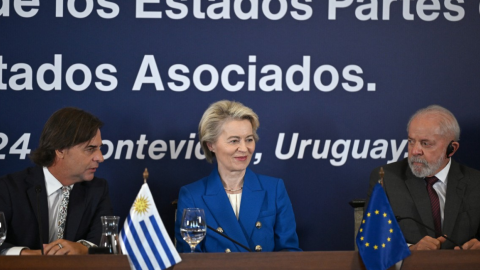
(3, 228)
(109, 238)
(193, 227)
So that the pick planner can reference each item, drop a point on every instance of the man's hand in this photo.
(428, 243)
(472, 244)
(30, 252)
(64, 247)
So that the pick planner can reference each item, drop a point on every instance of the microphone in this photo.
(425, 226)
(224, 235)
(38, 189)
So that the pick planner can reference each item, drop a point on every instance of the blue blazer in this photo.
(264, 200)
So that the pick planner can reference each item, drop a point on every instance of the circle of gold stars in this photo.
(376, 246)
(141, 205)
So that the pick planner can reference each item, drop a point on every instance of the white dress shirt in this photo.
(441, 188)
(235, 200)
(54, 195)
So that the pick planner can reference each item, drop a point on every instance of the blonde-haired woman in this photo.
(253, 209)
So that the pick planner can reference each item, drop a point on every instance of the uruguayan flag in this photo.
(144, 238)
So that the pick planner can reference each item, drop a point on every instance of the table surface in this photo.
(424, 260)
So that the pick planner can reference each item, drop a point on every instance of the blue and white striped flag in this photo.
(144, 238)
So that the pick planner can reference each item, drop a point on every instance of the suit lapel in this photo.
(35, 180)
(252, 200)
(455, 191)
(76, 208)
(217, 202)
(418, 191)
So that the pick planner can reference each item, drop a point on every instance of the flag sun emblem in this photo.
(141, 205)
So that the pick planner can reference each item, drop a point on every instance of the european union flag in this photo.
(380, 240)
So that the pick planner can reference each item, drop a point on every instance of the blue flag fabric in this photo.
(144, 238)
(380, 241)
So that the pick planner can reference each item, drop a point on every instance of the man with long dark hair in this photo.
(60, 198)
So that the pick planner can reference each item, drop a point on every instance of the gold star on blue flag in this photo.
(380, 241)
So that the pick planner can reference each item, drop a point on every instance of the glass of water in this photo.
(193, 227)
(3, 228)
(109, 238)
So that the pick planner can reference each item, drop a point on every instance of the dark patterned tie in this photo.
(435, 203)
(62, 214)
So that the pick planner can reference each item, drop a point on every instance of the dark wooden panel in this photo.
(443, 259)
(119, 262)
(326, 260)
(276, 260)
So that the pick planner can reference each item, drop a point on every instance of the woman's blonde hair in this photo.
(216, 115)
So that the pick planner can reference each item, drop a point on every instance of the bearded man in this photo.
(431, 187)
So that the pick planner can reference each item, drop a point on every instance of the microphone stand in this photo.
(224, 235)
(433, 230)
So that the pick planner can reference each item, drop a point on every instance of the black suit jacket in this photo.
(89, 201)
(409, 198)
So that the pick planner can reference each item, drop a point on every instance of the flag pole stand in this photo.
(381, 173)
(145, 176)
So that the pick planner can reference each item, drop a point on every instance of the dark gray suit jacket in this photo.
(409, 198)
(18, 201)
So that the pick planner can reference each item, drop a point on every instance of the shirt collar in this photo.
(442, 175)
(51, 183)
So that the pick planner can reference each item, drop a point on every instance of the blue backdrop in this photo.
(333, 82)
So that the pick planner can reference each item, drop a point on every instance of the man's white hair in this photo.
(448, 123)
